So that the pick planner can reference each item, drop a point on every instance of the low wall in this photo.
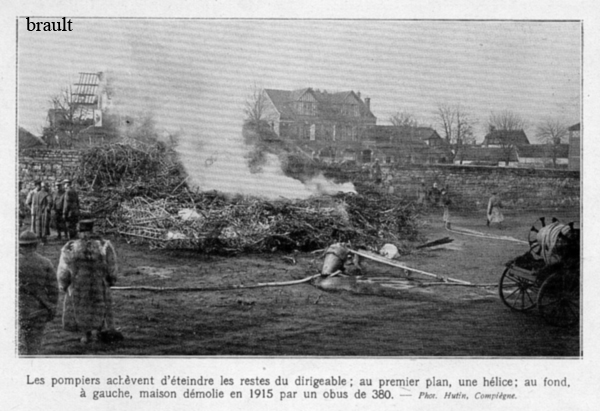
(471, 186)
(48, 165)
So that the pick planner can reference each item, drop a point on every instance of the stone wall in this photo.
(48, 165)
(471, 186)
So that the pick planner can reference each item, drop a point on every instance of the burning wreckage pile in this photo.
(141, 193)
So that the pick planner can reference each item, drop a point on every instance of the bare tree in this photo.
(404, 119)
(256, 107)
(502, 128)
(457, 124)
(447, 118)
(67, 118)
(506, 120)
(257, 125)
(552, 132)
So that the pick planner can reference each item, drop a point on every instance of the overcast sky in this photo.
(193, 73)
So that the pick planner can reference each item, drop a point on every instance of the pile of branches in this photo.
(124, 166)
(140, 192)
(111, 174)
(256, 225)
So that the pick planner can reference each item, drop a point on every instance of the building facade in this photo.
(575, 147)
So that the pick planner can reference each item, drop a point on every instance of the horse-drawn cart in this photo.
(547, 276)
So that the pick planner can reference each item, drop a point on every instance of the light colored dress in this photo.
(494, 215)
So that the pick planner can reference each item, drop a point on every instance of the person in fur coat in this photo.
(86, 271)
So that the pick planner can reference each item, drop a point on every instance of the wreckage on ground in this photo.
(141, 193)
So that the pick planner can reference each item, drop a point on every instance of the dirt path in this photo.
(303, 320)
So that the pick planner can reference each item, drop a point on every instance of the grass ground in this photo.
(304, 320)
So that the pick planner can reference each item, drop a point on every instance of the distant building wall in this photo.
(574, 150)
(48, 165)
(471, 186)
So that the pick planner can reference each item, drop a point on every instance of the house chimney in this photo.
(368, 103)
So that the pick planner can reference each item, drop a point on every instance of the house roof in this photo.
(498, 137)
(283, 99)
(575, 127)
(28, 140)
(485, 154)
(543, 151)
(424, 133)
(396, 136)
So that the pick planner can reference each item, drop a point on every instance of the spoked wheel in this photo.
(517, 292)
(558, 299)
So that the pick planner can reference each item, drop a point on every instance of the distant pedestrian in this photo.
(446, 202)
(494, 212)
(58, 198)
(71, 209)
(376, 172)
(434, 194)
(38, 294)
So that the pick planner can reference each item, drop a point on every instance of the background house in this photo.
(405, 144)
(488, 156)
(503, 138)
(574, 147)
(28, 140)
(315, 115)
(542, 155)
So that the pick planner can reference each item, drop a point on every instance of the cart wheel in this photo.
(517, 293)
(558, 300)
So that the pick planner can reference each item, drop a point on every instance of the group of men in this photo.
(43, 205)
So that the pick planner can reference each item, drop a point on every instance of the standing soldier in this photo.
(38, 294)
(23, 209)
(58, 198)
(42, 203)
(37, 186)
(71, 209)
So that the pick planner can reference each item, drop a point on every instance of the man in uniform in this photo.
(37, 186)
(38, 294)
(71, 209)
(42, 203)
(58, 198)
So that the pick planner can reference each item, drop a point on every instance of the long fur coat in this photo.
(86, 270)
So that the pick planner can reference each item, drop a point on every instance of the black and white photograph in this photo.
(303, 187)
(224, 188)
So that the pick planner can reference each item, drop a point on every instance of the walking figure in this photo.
(494, 212)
